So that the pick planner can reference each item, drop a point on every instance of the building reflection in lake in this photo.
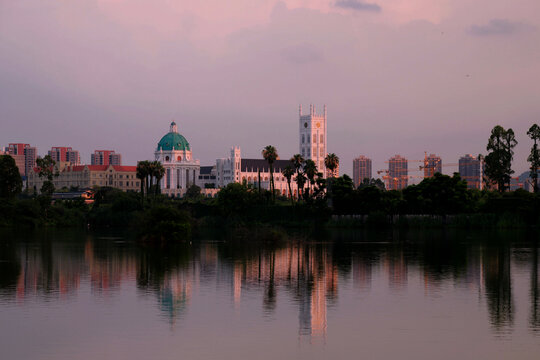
(308, 273)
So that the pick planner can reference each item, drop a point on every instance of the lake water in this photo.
(244, 295)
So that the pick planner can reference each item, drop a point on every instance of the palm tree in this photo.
(298, 161)
(331, 161)
(158, 171)
(270, 154)
(300, 181)
(310, 169)
(288, 172)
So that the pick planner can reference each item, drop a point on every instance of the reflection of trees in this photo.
(498, 285)
(9, 268)
(534, 318)
(305, 270)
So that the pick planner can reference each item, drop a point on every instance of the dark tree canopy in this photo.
(45, 167)
(10, 178)
(534, 157)
(498, 162)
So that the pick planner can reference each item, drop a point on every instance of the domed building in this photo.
(181, 169)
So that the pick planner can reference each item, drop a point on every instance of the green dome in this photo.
(173, 141)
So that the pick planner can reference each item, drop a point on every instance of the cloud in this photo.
(358, 5)
(497, 27)
(302, 54)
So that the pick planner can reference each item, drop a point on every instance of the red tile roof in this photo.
(125, 168)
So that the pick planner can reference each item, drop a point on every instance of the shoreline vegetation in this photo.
(438, 202)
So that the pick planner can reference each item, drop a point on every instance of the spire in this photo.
(174, 128)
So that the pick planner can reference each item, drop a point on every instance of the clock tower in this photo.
(312, 139)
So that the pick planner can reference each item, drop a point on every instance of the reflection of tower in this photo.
(314, 284)
(318, 308)
(174, 294)
(237, 283)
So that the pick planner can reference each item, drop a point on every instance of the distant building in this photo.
(361, 170)
(88, 176)
(65, 154)
(432, 165)
(312, 140)
(235, 169)
(398, 173)
(105, 157)
(207, 177)
(24, 155)
(471, 170)
(181, 169)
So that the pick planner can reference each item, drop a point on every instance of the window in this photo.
(307, 139)
(322, 152)
(303, 152)
(322, 139)
(303, 138)
(314, 138)
(309, 152)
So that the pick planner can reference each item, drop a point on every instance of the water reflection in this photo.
(303, 269)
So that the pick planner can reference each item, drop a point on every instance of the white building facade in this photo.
(181, 169)
(312, 136)
(249, 171)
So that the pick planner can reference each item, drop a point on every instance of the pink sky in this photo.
(398, 76)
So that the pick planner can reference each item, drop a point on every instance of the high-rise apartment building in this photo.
(432, 165)
(65, 154)
(398, 173)
(24, 155)
(471, 170)
(105, 157)
(361, 170)
(312, 140)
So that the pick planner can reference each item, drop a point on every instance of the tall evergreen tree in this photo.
(498, 162)
(534, 157)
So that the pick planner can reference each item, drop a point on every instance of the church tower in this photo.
(312, 138)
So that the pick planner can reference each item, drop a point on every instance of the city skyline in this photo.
(398, 77)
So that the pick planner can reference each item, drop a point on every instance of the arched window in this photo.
(322, 139)
(166, 158)
(314, 138)
(303, 140)
(179, 158)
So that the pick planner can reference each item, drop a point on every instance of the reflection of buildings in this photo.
(396, 265)
(174, 293)
(305, 272)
